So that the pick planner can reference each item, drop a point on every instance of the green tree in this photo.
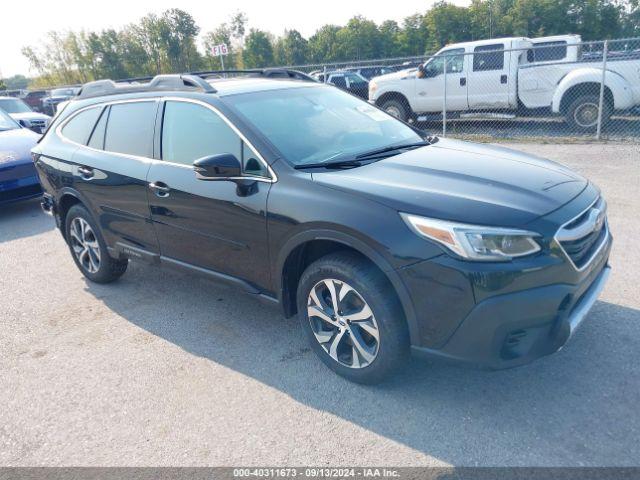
(178, 35)
(16, 82)
(390, 38)
(324, 45)
(447, 23)
(258, 51)
(359, 39)
(414, 36)
(291, 49)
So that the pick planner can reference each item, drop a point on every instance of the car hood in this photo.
(15, 146)
(399, 75)
(29, 116)
(463, 182)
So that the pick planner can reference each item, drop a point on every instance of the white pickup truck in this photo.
(533, 76)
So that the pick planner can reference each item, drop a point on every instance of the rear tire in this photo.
(582, 113)
(396, 108)
(367, 338)
(89, 249)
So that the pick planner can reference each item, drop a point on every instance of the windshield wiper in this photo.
(393, 148)
(368, 157)
(337, 164)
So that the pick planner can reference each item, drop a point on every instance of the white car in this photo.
(543, 75)
(22, 113)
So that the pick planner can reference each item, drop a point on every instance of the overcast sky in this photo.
(25, 23)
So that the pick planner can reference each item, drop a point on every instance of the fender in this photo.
(399, 84)
(619, 87)
(366, 250)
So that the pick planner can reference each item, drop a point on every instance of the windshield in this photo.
(14, 105)
(6, 122)
(320, 124)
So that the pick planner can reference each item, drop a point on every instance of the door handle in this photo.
(463, 81)
(85, 172)
(503, 79)
(160, 189)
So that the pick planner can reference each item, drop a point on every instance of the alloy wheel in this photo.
(393, 111)
(586, 115)
(343, 323)
(85, 244)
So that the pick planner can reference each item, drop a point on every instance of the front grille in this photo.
(37, 123)
(582, 237)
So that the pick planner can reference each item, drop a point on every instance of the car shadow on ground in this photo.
(571, 408)
(13, 226)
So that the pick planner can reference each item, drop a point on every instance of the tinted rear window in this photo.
(130, 128)
(488, 57)
(549, 51)
(80, 127)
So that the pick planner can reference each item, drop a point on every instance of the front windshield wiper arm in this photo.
(392, 148)
(337, 164)
(367, 157)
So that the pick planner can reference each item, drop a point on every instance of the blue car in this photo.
(18, 179)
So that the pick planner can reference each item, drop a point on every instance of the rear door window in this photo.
(488, 57)
(81, 125)
(130, 128)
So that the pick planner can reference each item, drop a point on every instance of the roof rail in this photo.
(273, 72)
(100, 88)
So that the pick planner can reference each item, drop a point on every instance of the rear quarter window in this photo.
(81, 125)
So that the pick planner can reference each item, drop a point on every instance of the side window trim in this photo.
(95, 125)
(106, 110)
(271, 178)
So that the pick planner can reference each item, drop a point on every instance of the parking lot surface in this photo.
(165, 369)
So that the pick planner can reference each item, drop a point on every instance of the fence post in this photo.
(444, 97)
(605, 50)
(324, 74)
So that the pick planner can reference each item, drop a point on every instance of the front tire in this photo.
(396, 108)
(88, 248)
(582, 113)
(352, 318)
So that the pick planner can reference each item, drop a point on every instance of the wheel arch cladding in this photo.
(303, 249)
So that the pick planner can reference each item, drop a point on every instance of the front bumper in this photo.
(507, 318)
(515, 329)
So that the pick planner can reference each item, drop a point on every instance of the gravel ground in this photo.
(165, 369)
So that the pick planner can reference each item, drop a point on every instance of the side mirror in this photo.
(421, 73)
(217, 167)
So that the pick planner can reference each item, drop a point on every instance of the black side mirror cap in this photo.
(217, 167)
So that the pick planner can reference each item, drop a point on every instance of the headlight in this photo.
(475, 242)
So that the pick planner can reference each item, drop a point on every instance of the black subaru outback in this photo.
(381, 239)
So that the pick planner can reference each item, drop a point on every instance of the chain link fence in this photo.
(548, 89)
(555, 88)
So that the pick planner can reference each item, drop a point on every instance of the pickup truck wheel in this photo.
(352, 318)
(88, 248)
(397, 109)
(582, 114)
